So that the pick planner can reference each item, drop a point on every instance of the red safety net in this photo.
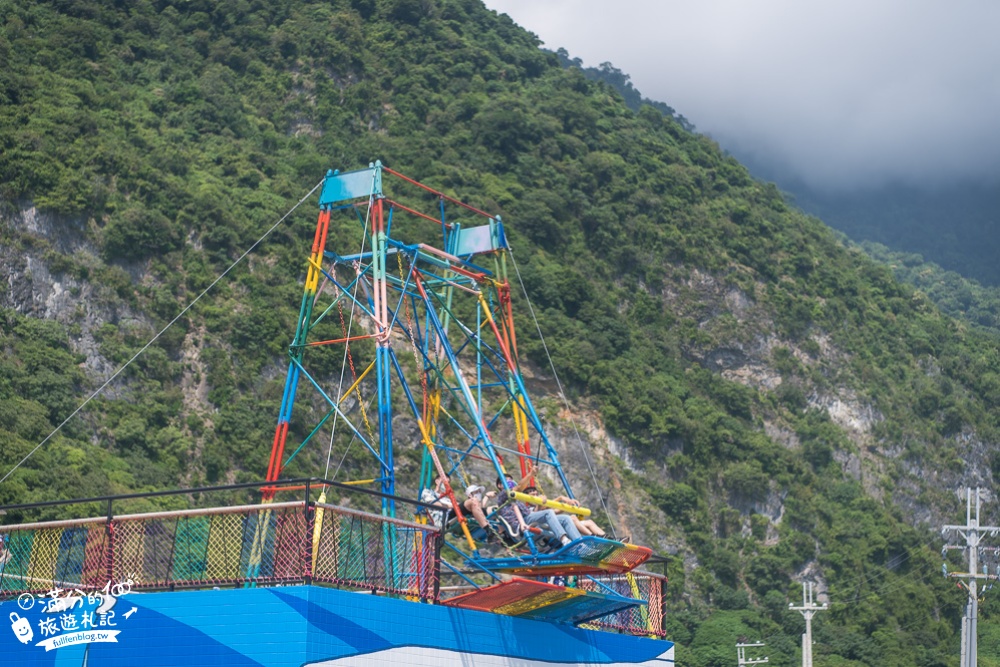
(642, 620)
(512, 597)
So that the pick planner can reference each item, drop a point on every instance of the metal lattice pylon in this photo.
(448, 306)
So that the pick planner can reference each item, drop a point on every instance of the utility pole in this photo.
(808, 609)
(973, 534)
(741, 655)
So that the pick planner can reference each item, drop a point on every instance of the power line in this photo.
(156, 337)
(906, 581)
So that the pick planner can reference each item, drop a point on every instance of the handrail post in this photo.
(307, 536)
(110, 546)
(663, 604)
(438, 543)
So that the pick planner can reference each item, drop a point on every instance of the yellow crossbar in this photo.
(356, 383)
(551, 504)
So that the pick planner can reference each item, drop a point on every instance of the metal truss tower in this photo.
(432, 334)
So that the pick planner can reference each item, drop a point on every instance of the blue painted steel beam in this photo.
(367, 310)
(308, 437)
(406, 388)
(349, 287)
(467, 394)
(383, 367)
(339, 412)
(537, 423)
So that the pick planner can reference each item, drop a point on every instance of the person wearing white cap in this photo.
(474, 501)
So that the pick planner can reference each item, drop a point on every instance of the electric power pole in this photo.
(741, 655)
(808, 609)
(973, 534)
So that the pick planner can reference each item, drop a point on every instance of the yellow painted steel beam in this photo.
(550, 504)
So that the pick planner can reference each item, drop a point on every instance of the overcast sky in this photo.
(841, 93)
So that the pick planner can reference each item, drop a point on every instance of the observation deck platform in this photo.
(304, 541)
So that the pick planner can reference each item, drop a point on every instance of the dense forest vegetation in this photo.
(951, 291)
(622, 83)
(953, 225)
(711, 326)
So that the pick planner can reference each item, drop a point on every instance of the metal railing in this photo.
(267, 543)
(261, 543)
(358, 550)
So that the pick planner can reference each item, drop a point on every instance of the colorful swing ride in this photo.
(445, 347)
(425, 334)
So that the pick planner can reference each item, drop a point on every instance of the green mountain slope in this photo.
(954, 225)
(956, 292)
(959, 296)
(763, 401)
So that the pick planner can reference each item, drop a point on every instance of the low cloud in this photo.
(841, 95)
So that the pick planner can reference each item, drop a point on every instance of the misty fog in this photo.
(835, 95)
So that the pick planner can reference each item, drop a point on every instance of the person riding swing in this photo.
(515, 513)
(585, 526)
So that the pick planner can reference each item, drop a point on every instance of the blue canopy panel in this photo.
(477, 240)
(543, 602)
(360, 184)
(587, 555)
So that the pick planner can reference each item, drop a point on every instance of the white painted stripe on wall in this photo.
(419, 656)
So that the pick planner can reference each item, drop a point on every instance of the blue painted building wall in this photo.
(309, 625)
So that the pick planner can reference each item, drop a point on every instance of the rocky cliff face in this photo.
(51, 269)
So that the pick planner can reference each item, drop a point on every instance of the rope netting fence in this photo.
(38, 557)
(243, 544)
(358, 550)
(270, 543)
(642, 620)
(265, 543)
